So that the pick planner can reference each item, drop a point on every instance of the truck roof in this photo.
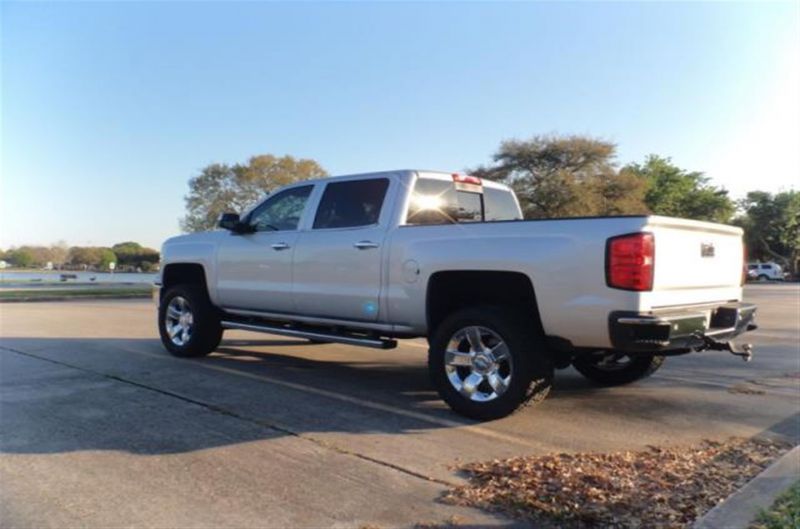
(427, 173)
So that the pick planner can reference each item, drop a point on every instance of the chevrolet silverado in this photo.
(503, 302)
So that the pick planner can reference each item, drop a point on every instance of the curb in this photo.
(741, 507)
(33, 299)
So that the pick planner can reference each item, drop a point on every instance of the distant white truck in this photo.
(367, 259)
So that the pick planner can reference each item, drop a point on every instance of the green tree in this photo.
(30, 256)
(772, 226)
(59, 253)
(91, 256)
(565, 176)
(675, 192)
(134, 254)
(619, 193)
(20, 257)
(220, 188)
(127, 248)
(105, 256)
(80, 256)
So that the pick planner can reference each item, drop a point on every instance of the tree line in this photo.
(127, 256)
(554, 176)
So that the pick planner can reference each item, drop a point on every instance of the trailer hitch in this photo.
(745, 351)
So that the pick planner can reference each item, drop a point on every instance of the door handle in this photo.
(365, 245)
(278, 246)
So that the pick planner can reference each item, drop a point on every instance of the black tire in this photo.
(637, 368)
(763, 277)
(206, 330)
(532, 375)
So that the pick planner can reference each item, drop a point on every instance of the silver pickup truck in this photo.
(367, 259)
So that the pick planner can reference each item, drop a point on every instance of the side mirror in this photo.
(231, 222)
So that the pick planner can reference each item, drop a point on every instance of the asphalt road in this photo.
(100, 427)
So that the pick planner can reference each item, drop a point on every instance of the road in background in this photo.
(101, 427)
(35, 278)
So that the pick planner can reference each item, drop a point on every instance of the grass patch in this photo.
(784, 513)
(54, 293)
(656, 487)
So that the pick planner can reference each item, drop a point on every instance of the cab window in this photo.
(282, 211)
(435, 201)
(351, 204)
(500, 205)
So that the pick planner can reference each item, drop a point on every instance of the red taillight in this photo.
(466, 179)
(744, 263)
(630, 260)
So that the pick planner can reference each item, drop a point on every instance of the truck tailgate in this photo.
(695, 263)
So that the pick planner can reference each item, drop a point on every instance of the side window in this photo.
(765, 267)
(281, 212)
(752, 267)
(351, 204)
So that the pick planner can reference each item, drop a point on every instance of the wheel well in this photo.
(183, 274)
(450, 291)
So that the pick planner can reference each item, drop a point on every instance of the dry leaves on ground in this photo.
(657, 487)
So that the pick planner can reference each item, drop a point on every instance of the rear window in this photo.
(500, 205)
(436, 201)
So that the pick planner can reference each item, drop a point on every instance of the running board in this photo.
(377, 343)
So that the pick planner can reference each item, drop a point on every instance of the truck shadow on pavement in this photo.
(62, 395)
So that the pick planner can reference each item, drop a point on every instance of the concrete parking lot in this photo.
(100, 427)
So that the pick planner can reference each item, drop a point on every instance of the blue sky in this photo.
(109, 108)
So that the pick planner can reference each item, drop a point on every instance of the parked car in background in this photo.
(765, 272)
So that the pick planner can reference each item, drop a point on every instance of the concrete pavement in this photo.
(100, 427)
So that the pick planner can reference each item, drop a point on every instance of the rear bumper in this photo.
(679, 330)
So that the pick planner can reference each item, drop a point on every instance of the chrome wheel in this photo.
(179, 321)
(478, 363)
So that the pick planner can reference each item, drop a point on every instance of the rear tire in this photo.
(636, 368)
(188, 323)
(487, 362)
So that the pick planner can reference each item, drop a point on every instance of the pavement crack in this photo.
(229, 413)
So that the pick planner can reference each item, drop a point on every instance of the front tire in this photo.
(486, 362)
(610, 369)
(188, 323)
